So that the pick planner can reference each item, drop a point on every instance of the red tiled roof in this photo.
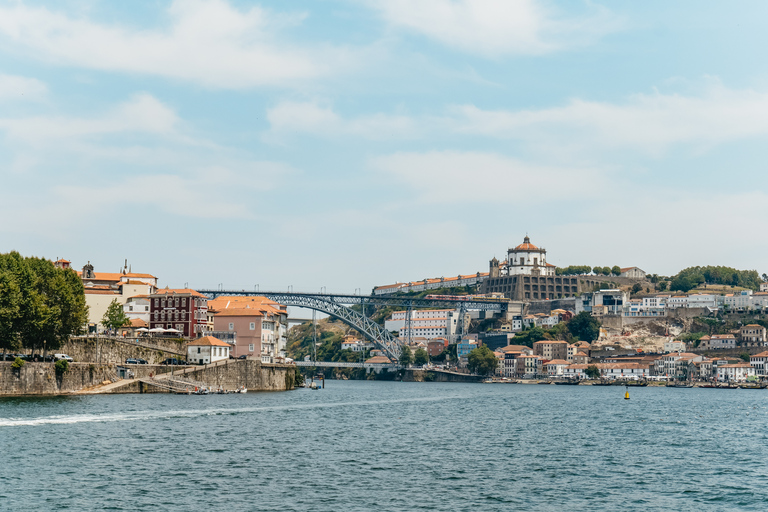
(178, 291)
(208, 341)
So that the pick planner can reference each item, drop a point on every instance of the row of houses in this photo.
(545, 360)
(617, 302)
(252, 326)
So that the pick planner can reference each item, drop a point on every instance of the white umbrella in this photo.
(172, 330)
(142, 329)
(157, 329)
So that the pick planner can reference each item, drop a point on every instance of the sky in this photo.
(339, 145)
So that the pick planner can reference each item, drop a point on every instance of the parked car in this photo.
(59, 357)
(242, 357)
(130, 360)
(173, 360)
(141, 361)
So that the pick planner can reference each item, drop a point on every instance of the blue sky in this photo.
(348, 144)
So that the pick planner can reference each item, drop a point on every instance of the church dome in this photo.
(526, 246)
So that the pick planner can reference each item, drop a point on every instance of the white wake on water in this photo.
(191, 413)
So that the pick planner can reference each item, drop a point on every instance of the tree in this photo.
(530, 336)
(662, 286)
(637, 288)
(40, 305)
(584, 326)
(420, 357)
(616, 270)
(592, 371)
(10, 302)
(114, 317)
(482, 361)
(451, 352)
(406, 357)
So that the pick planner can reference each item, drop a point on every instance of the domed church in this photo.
(527, 259)
(526, 275)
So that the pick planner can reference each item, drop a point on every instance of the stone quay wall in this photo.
(41, 378)
(106, 350)
(252, 374)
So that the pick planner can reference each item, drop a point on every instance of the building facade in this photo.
(182, 309)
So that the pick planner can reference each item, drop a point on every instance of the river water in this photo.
(390, 446)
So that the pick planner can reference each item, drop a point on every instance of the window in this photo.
(253, 326)
(157, 302)
(198, 350)
(231, 326)
(130, 308)
(250, 347)
(162, 303)
(184, 301)
(177, 302)
(146, 308)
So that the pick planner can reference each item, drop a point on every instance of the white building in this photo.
(556, 367)
(734, 372)
(674, 346)
(647, 306)
(741, 301)
(527, 259)
(101, 288)
(137, 307)
(760, 363)
(718, 342)
(677, 301)
(633, 272)
(428, 323)
(355, 345)
(207, 350)
(609, 301)
(612, 371)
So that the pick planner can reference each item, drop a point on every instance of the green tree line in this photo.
(577, 270)
(692, 277)
(40, 305)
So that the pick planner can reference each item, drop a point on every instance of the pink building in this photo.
(257, 325)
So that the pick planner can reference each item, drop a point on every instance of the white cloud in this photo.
(18, 88)
(309, 117)
(142, 114)
(208, 42)
(463, 177)
(495, 27)
(647, 123)
(650, 123)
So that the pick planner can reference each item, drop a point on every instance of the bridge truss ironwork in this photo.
(336, 305)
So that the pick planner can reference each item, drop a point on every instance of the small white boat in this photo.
(241, 389)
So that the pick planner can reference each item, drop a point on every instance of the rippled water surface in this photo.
(390, 446)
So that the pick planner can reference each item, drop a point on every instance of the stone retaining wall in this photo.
(104, 350)
(41, 378)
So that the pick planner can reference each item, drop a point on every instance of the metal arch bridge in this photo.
(335, 305)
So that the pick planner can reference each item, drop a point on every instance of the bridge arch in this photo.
(383, 340)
